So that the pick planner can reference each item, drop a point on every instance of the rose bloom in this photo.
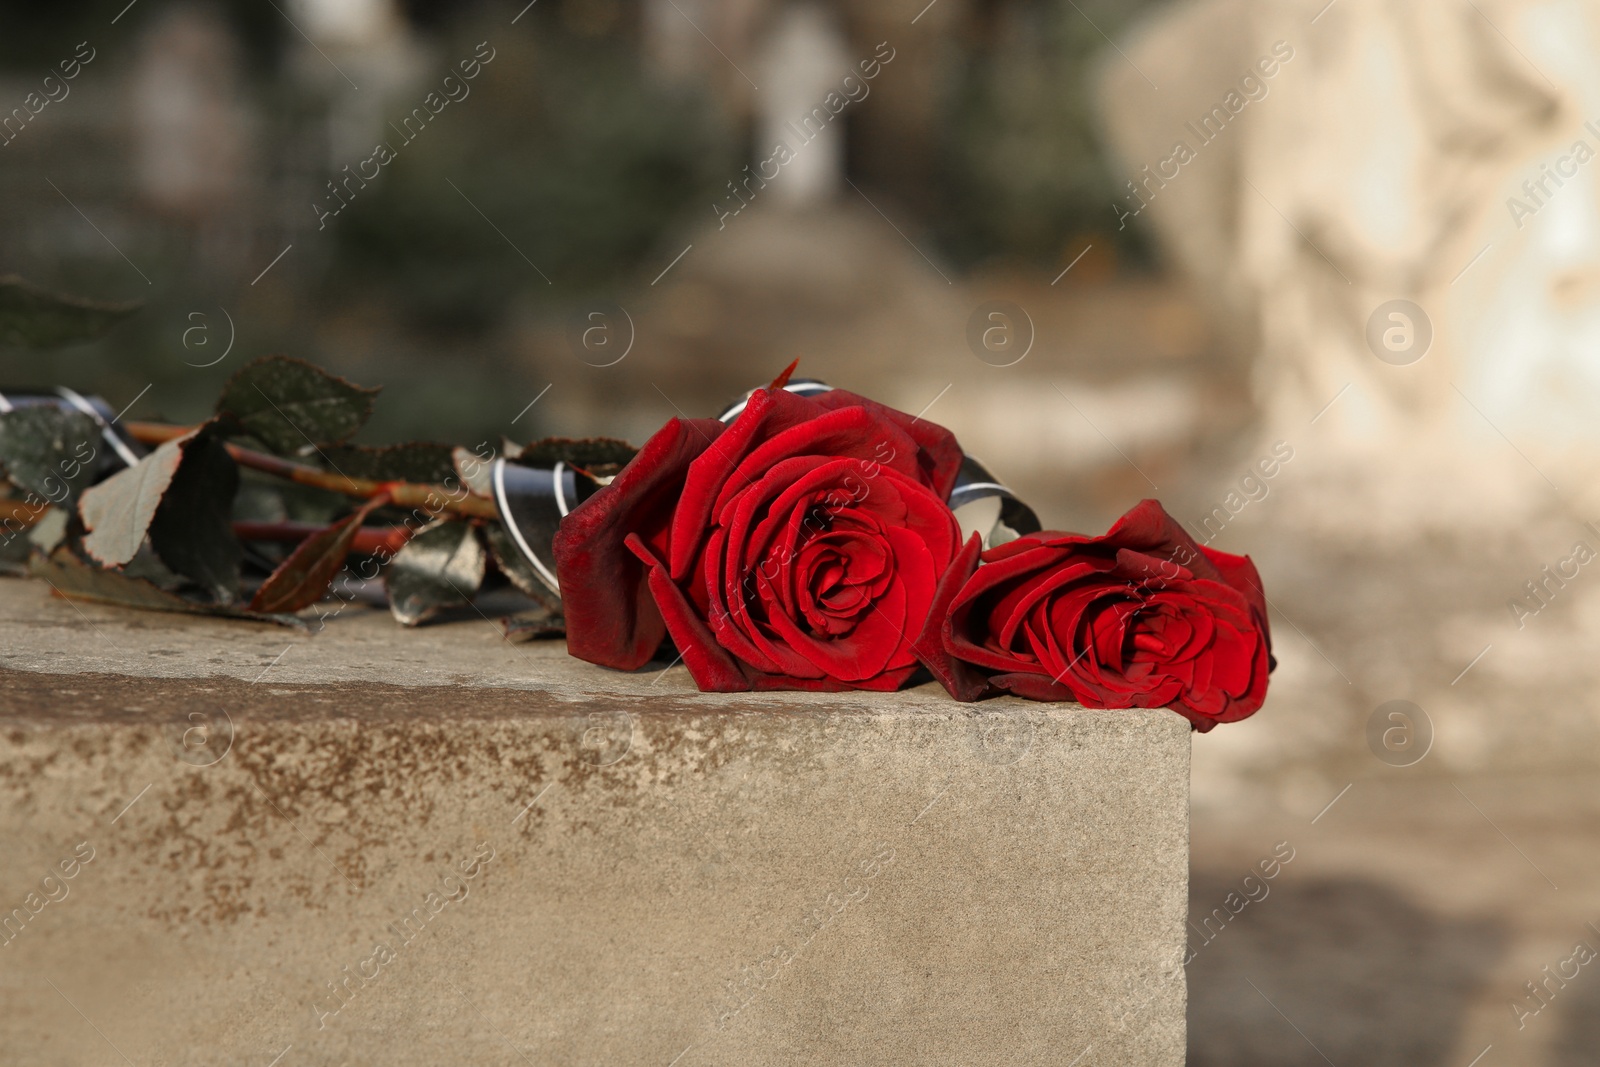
(1141, 617)
(799, 547)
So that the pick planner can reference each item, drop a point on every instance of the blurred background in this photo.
(1324, 277)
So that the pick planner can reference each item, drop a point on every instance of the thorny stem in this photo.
(370, 541)
(433, 498)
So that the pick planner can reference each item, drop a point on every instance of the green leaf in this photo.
(48, 451)
(293, 407)
(303, 578)
(118, 511)
(442, 566)
(76, 579)
(263, 498)
(31, 317)
(192, 530)
(598, 455)
(423, 462)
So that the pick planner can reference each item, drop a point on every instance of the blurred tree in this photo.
(567, 148)
(1024, 167)
(42, 34)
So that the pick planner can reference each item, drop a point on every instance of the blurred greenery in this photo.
(573, 155)
(1024, 169)
(34, 34)
(571, 150)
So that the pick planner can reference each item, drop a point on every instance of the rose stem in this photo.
(405, 494)
(21, 511)
(370, 540)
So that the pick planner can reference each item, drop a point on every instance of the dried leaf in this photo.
(293, 407)
(49, 451)
(303, 578)
(31, 317)
(118, 511)
(440, 567)
(192, 531)
(76, 579)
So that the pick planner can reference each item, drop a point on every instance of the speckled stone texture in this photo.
(380, 846)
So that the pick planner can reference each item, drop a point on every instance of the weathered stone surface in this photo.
(656, 876)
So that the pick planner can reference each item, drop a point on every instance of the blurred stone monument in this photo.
(192, 142)
(802, 62)
(363, 57)
(1391, 207)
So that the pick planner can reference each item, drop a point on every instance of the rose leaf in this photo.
(76, 579)
(192, 530)
(515, 566)
(423, 462)
(303, 578)
(118, 511)
(293, 407)
(474, 472)
(31, 317)
(599, 455)
(48, 451)
(442, 566)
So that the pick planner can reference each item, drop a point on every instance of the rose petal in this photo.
(959, 679)
(712, 669)
(611, 617)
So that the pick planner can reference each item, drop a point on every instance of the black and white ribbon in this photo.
(533, 500)
(975, 483)
(797, 386)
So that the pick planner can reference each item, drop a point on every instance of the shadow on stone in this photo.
(1366, 975)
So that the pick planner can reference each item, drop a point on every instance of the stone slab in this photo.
(380, 846)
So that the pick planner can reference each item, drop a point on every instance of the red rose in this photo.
(797, 548)
(1142, 617)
